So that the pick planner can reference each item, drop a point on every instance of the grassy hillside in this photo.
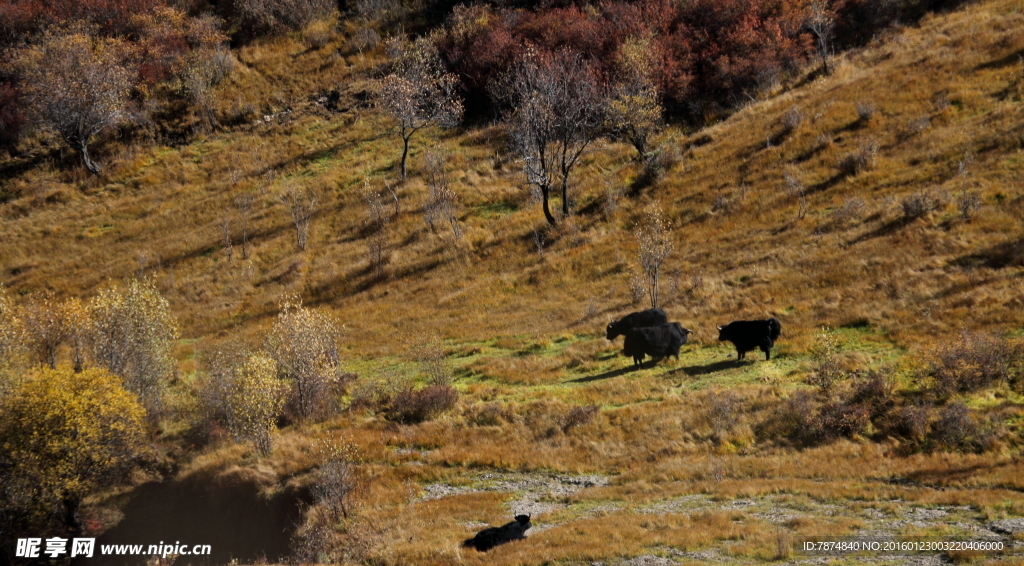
(686, 461)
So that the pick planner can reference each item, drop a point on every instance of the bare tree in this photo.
(77, 86)
(821, 21)
(442, 202)
(555, 112)
(418, 93)
(654, 244)
(379, 218)
(795, 188)
(244, 203)
(225, 227)
(301, 203)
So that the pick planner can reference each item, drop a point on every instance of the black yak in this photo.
(493, 536)
(747, 335)
(654, 341)
(649, 317)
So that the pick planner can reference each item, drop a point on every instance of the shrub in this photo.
(431, 358)
(912, 421)
(375, 394)
(967, 203)
(955, 429)
(364, 38)
(720, 411)
(836, 420)
(253, 19)
(792, 120)
(490, 414)
(578, 416)
(974, 361)
(863, 159)
(829, 370)
(875, 393)
(865, 111)
(337, 479)
(412, 407)
(921, 203)
(794, 418)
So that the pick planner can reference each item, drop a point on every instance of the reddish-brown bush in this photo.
(836, 420)
(411, 407)
(578, 416)
(12, 117)
(19, 18)
(707, 50)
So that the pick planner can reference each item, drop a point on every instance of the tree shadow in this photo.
(606, 375)
(1007, 254)
(883, 230)
(826, 184)
(1015, 57)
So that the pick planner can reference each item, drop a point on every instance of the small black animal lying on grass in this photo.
(493, 536)
(748, 335)
(655, 341)
(649, 317)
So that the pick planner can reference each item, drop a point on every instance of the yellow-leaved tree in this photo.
(133, 332)
(12, 344)
(304, 343)
(64, 435)
(254, 399)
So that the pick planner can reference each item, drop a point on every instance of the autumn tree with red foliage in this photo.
(20, 18)
(701, 52)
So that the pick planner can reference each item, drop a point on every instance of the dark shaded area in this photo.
(230, 516)
(1006, 254)
(883, 230)
(606, 375)
(1011, 59)
(710, 368)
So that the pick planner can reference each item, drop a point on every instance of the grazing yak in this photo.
(747, 335)
(493, 536)
(655, 341)
(649, 317)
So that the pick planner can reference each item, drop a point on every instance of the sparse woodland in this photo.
(366, 252)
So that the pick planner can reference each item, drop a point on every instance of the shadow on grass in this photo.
(710, 368)
(606, 375)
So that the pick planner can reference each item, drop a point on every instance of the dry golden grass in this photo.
(524, 330)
